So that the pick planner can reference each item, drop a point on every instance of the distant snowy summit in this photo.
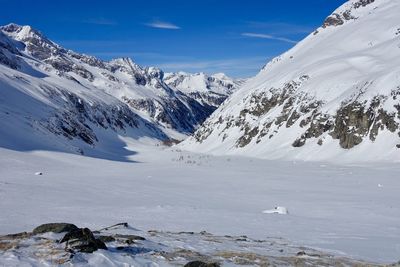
(77, 99)
(335, 95)
(209, 90)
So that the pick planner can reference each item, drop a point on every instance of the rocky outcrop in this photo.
(202, 264)
(161, 249)
(54, 227)
(346, 14)
(355, 121)
(352, 123)
(362, 3)
(333, 20)
(82, 240)
(78, 117)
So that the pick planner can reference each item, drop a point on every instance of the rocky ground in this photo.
(121, 244)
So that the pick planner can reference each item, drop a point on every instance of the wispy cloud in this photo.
(100, 21)
(152, 58)
(163, 25)
(96, 43)
(281, 27)
(268, 36)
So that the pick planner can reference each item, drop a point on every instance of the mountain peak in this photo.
(19, 32)
(126, 64)
(124, 61)
(220, 75)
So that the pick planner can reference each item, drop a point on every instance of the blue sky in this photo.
(235, 37)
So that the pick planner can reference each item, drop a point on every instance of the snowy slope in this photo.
(335, 95)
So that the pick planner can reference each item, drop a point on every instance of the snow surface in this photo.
(337, 208)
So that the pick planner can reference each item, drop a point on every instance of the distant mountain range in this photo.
(48, 90)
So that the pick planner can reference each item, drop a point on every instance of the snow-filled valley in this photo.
(346, 210)
(296, 166)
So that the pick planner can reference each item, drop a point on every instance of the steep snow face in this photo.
(208, 90)
(40, 112)
(335, 95)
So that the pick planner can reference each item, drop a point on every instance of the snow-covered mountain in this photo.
(334, 95)
(208, 90)
(47, 89)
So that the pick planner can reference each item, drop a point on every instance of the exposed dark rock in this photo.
(201, 264)
(301, 253)
(82, 240)
(299, 142)
(59, 63)
(170, 142)
(130, 237)
(347, 15)
(110, 77)
(203, 132)
(247, 137)
(292, 119)
(338, 19)
(383, 120)
(74, 120)
(54, 227)
(92, 61)
(173, 112)
(352, 122)
(262, 104)
(21, 235)
(106, 238)
(213, 99)
(8, 53)
(355, 121)
(8, 61)
(333, 20)
(264, 131)
(362, 3)
(318, 126)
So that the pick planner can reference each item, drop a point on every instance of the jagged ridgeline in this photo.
(335, 93)
(52, 90)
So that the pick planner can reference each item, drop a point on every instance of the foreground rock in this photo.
(125, 246)
(82, 240)
(54, 227)
(202, 264)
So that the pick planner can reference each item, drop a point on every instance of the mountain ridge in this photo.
(83, 94)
